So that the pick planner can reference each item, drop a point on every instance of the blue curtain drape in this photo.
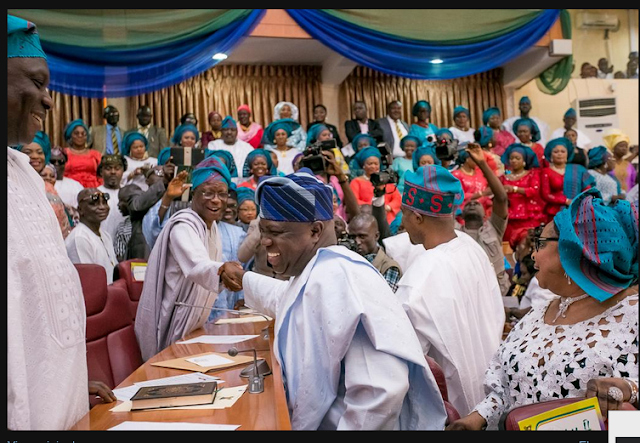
(97, 73)
(412, 58)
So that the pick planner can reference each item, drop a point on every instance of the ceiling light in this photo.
(220, 56)
(436, 61)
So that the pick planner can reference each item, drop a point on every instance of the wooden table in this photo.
(267, 411)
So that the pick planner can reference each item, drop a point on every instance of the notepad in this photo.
(184, 364)
(580, 416)
(206, 361)
(176, 426)
(252, 319)
(218, 339)
(125, 394)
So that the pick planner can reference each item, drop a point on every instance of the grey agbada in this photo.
(183, 267)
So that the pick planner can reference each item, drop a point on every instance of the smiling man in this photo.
(46, 350)
(183, 265)
(231, 143)
(349, 355)
(88, 242)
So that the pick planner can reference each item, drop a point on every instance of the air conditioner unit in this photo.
(596, 116)
(592, 20)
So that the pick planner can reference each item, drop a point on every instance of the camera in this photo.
(386, 174)
(384, 178)
(347, 242)
(448, 149)
(313, 158)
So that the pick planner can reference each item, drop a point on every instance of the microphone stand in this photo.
(256, 381)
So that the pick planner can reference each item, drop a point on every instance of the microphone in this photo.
(256, 380)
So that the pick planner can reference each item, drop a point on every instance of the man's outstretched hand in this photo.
(231, 274)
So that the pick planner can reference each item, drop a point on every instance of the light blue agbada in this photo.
(348, 352)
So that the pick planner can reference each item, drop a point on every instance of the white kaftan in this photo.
(349, 356)
(46, 319)
(453, 300)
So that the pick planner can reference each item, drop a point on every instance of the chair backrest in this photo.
(112, 349)
(438, 374)
(509, 421)
(134, 288)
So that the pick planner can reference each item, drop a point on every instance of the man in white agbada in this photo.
(231, 143)
(183, 265)
(450, 290)
(349, 356)
(46, 351)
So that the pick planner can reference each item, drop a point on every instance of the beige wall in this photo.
(551, 108)
(590, 46)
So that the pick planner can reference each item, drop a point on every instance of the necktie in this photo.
(114, 141)
(399, 130)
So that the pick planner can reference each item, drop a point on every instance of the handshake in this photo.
(231, 274)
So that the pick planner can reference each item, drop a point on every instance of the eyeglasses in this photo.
(57, 162)
(538, 241)
(223, 196)
(96, 197)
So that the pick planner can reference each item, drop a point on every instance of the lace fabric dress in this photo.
(539, 362)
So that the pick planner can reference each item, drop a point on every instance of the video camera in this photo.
(313, 158)
(446, 149)
(347, 241)
(386, 175)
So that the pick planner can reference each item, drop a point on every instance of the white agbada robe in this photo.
(138, 180)
(84, 246)
(183, 267)
(463, 136)
(400, 249)
(349, 355)
(453, 300)
(115, 217)
(47, 385)
(239, 150)
(68, 190)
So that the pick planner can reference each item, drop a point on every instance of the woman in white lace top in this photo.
(585, 343)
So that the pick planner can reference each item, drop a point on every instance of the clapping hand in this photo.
(231, 274)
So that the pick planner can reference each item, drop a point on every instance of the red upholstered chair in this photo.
(509, 421)
(436, 370)
(112, 349)
(132, 287)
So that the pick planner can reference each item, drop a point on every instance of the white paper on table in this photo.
(218, 339)
(164, 426)
(125, 394)
(225, 398)
(252, 319)
(209, 360)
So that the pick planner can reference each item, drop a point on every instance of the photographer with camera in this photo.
(369, 160)
(363, 229)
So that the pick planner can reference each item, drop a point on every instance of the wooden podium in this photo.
(265, 411)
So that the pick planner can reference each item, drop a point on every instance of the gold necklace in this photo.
(513, 177)
(472, 173)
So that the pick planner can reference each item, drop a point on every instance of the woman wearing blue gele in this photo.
(585, 342)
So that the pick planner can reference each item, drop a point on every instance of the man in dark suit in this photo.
(362, 124)
(393, 128)
(107, 139)
(156, 135)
